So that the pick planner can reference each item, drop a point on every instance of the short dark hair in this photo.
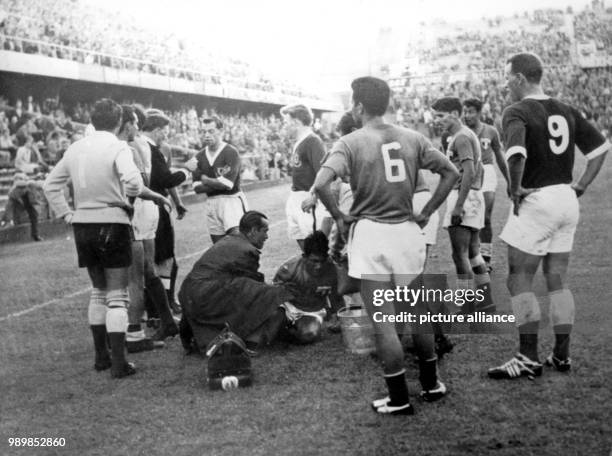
(106, 115)
(447, 104)
(127, 116)
(140, 113)
(528, 64)
(155, 119)
(316, 243)
(250, 220)
(347, 124)
(372, 93)
(300, 112)
(473, 103)
(214, 119)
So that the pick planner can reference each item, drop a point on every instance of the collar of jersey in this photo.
(211, 158)
(539, 96)
(301, 140)
(149, 140)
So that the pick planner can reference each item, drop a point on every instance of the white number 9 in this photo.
(558, 128)
(395, 169)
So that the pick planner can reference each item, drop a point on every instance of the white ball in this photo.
(229, 382)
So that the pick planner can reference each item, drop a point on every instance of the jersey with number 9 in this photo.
(383, 164)
(547, 131)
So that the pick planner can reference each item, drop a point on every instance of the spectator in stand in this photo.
(22, 197)
(28, 159)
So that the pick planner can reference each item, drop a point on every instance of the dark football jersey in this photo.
(489, 142)
(464, 145)
(225, 167)
(383, 163)
(306, 161)
(546, 131)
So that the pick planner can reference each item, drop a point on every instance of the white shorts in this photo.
(300, 223)
(386, 250)
(146, 217)
(473, 209)
(546, 222)
(489, 180)
(224, 212)
(419, 200)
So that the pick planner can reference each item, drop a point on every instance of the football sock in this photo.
(96, 312)
(116, 313)
(528, 340)
(428, 373)
(398, 389)
(562, 311)
(562, 341)
(157, 293)
(101, 348)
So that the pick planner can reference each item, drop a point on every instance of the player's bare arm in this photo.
(516, 166)
(590, 172)
(501, 161)
(322, 188)
(448, 177)
(150, 195)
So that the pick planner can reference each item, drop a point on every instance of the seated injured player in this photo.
(312, 280)
(225, 286)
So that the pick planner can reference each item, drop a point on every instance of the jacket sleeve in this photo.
(161, 176)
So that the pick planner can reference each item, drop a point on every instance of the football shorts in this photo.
(386, 251)
(473, 215)
(146, 217)
(224, 212)
(546, 222)
(106, 245)
(300, 223)
(419, 200)
(489, 180)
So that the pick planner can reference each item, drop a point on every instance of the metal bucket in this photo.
(357, 330)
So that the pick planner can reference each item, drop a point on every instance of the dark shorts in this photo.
(106, 245)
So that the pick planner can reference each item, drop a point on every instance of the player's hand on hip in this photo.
(578, 189)
(457, 216)
(344, 225)
(180, 212)
(422, 220)
(518, 197)
(309, 203)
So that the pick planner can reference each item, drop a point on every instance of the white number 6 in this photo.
(558, 128)
(395, 170)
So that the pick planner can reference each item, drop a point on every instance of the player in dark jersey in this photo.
(387, 247)
(490, 147)
(216, 172)
(541, 134)
(306, 157)
(465, 207)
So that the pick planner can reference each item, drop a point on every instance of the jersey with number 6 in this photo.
(546, 131)
(383, 163)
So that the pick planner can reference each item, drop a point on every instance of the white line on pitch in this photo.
(85, 290)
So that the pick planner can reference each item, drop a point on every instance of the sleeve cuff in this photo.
(515, 150)
(605, 147)
(228, 183)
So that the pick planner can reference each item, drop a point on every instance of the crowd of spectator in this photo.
(112, 39)
(34, 136)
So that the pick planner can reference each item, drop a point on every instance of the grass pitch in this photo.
(306, 400)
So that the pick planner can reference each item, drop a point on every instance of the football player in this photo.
(308, 152)
(465, 208)
(490, 146)
(541, 134)
(387, 247)
(216, 172)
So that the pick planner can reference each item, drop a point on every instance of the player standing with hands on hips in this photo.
(387, 247)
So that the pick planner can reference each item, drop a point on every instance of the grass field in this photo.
(306, 400)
